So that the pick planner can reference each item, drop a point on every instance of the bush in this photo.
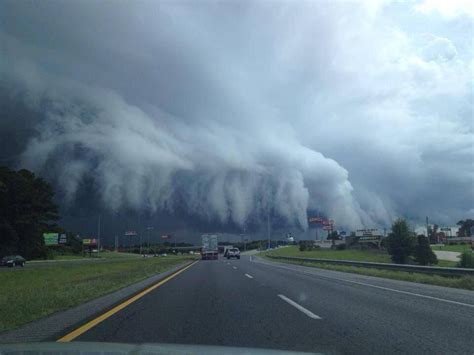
(467, 260)
(423, 253)
(341, 247)
(306, 245)
(302, 246)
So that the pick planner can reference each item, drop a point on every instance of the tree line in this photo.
(27, 210)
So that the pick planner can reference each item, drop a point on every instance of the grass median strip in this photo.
(464, 282)
(31, 294)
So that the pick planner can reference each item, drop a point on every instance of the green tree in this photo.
(26, 211)
(422, 251)
(465, 227)
(400, 242)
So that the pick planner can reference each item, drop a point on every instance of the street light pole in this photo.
(268, 229)
(140, 240)
(98, 238)
(149, 229)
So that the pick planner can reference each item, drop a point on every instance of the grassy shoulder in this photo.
(31, 294)
(376, 256)
(456, 247)
(464, 282)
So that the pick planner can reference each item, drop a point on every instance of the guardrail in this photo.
(433, 270)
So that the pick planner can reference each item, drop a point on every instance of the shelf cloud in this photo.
(230, 112)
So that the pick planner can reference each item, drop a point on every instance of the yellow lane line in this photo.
(81, 330)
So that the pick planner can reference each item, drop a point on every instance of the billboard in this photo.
(315, 220)
(368, 232)
(62, 239)
(166, 236)
(89, 242)
(373, 238)
(50, 238)
(320, 221)
(131, 233)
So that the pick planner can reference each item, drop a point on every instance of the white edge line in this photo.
(379, 287)
(299, 307)
(249, 276)
(234, 267)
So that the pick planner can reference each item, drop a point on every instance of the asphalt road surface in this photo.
(255, 303)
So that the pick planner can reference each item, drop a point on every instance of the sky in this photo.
(229, 112)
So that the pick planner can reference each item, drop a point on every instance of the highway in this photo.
(261, 304)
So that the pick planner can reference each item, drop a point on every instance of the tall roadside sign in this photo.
(50, 239)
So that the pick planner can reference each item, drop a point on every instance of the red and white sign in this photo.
(328, 222)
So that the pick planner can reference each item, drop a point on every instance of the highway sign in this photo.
(90, 242)
(62, 239)
(50, 238)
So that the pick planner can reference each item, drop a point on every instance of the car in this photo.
(12, 260)
(233, 253)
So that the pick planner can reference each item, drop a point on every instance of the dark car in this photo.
(12, 260)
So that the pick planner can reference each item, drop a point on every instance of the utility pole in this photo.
(149, 229)
(98, 238)
(427, 229)
(268, 229)
(140, 240)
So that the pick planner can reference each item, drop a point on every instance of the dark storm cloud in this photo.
(228, 111)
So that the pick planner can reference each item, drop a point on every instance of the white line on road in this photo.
(234, 267)
(251, 258)
(375, 286)
(299, 307)
(249, 276)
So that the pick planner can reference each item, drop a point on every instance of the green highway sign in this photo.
(50, 238)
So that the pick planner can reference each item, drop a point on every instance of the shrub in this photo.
(306, 245)
(341, 247)
(302, 246)
(467, 260)
(423, 253)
